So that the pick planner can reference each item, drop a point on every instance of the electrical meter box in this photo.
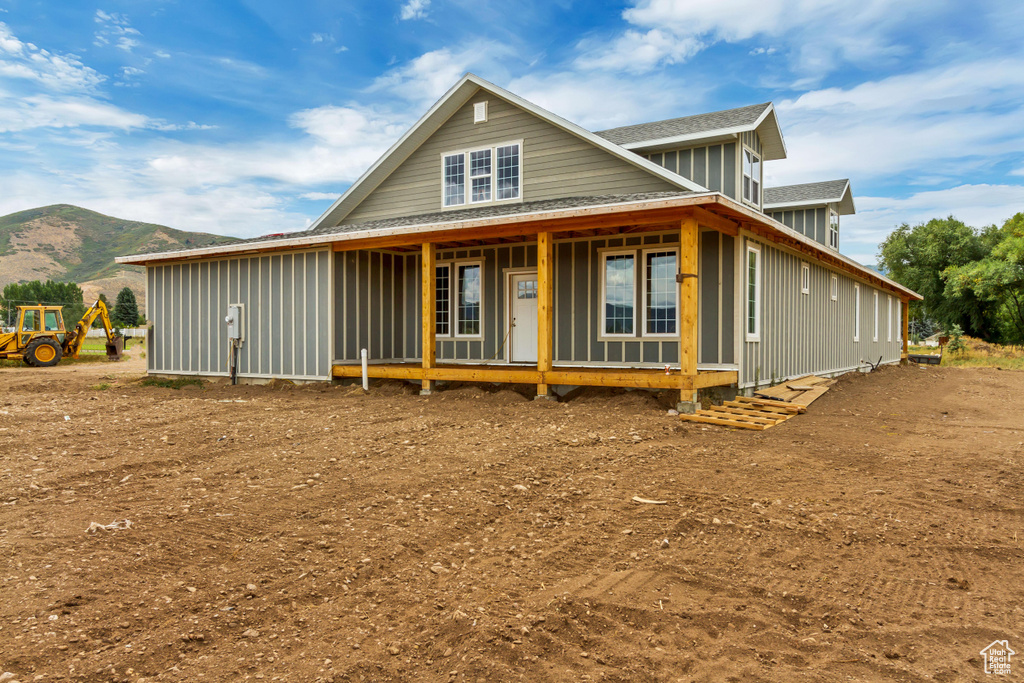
(235, 320)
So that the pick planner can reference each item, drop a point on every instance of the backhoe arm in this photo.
(73, 340)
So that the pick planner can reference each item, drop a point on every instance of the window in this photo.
(835, 288)
(526, 289)
(888, 318)
(856, 312)
(661, 292)
(495, 174)
(899, 321)
(833, 229)
(455, 179)
(753, 293)
(874, 324)
(619, 288)
(805, 278)
(468, 318)
(442, 298)
(50, 323)
(751, 177)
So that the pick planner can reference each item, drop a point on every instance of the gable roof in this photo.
(440, 112)
(718, 125)
(811, 194)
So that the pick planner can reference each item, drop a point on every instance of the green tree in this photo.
(917, 257)
(49, 293)
(997, 279)
(126, 309)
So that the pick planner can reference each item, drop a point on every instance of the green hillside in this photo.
(80, 245)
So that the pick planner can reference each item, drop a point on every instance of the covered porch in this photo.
(677, 369)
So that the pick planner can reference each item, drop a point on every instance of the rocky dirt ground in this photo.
(284, 533)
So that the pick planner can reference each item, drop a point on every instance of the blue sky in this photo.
(251, 117)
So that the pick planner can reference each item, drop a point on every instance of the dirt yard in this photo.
(287, 533)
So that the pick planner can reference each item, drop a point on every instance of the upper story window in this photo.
(805, 278)
(751, 177)
(833, 229)
(482, 175)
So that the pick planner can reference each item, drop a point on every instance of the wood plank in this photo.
(713, 220)
(722, 422)
(734, 414)
(808, 397)
(774, 406)
(718, 378)
(429, 309)
(689, 234)
(751, 412)
(545, 306)
(613, 378)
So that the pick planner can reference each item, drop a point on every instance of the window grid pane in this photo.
(508, 172)
(480, 175)
(526, 289)
(454, 180)
(662, 292)
(442, 300)
(619, 286)
(469, 300)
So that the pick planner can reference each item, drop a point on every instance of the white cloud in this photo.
(25, 61)
(414, 9)
(115, 26)
(932, 125)
(44, 111)
(819, 33)
(976, 205)
(424, 79)
(320, 196)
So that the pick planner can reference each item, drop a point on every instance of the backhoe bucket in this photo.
(115, 350)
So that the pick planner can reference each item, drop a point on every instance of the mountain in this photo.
(72, 244)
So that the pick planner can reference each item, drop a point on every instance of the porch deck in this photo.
(645, 378)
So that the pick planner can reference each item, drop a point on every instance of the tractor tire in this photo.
(43, 353)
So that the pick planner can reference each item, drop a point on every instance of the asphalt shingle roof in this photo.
(825, 191)
(686, 125)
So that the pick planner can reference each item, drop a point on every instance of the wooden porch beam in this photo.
(689, 233)
(545, 305)
(429, 311)
(713, 220)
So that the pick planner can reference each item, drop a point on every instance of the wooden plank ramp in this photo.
(767, 408)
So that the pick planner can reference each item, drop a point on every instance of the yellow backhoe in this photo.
(41, 340)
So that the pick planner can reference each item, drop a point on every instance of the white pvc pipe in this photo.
(366, 377)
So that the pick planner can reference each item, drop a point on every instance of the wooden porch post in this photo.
(905, 303)
(545, 305)
(429, 287)
(689, 233)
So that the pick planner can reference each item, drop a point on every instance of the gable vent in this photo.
(480, 112)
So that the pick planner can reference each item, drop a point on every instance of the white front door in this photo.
(523, 317)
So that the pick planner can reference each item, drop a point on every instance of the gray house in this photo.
(498, 242)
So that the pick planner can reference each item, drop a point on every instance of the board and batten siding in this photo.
(711, 166)
(812, 222)
(378, 298)
(810, 333)
(555, 164)
(287, 319)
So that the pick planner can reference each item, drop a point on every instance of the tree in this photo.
(49, 293)
(917, 257)
(126, 309)
(997, 279)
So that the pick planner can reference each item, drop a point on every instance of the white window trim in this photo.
(754, 336)
(760, 183)
(874, 306)
(805, 278)
(888, 317)
(603, 255)
(454, 297)
(856, 312)
(468, 185)
(899, 320)
(643, 293)
(834, 288)
(832, 212)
